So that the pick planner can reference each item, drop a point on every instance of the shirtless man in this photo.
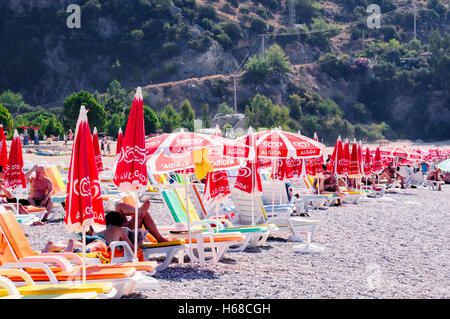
(436, 176)
(328, 184)
(389, 173)
(144, 218)
(40, 190)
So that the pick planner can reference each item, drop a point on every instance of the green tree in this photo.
(206, 117)
(71, 109)
(277, 60)
(187, 115)
(256, 69)
(224, 109)
(5, 119)
(12, 101)
(169, 119)
(294, 104)
(112, 126)
(262, 113)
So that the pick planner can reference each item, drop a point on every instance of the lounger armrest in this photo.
(217, 220)
(128, 254)
(19, 273)
(7, 284)
(51, 276)
(61, 262)
(203, 223)
(70, 256)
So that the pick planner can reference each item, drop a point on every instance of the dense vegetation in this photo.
(139, 42)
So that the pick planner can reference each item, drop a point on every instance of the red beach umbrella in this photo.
(346, 158)
(353, 167)
(14, 176)
(217, 187)
(3, 148)
(119, 141)
(98, 156)
(84, 203)
(131, 169)
(367, 162)
(377, 165)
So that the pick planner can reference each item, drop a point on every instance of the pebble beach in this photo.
(392, 247)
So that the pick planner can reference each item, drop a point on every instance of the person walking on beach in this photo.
(102, 147)
(108, 148)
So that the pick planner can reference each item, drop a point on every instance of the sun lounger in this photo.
(126, 276)
(252, 209)
(254, 235)
(203, 234)
(30, 290)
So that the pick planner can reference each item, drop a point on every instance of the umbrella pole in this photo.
(187, 214)
(84, 255)
(136, 225)
(273, 188)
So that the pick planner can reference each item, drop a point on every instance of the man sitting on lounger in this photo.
(40, 190)
(144, 218)
(327, 184)
(390, 174)
(436, 176)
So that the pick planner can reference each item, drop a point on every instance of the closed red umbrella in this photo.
(353, 167)
(314, 165)
(331, 165)
(249, 180)
(368, 163)
(3, 148)
(131, 169)
(346, 158)
(84, 203)
(217, 187)
(378, 164)
(98, 155)
(119, 141)
(14, 177)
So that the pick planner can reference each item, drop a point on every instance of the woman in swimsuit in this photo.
(98, 241)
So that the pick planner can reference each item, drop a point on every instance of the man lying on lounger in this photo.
(144, 218)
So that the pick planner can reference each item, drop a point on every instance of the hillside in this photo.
(189, 49)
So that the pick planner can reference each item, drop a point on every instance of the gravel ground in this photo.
(381, 248)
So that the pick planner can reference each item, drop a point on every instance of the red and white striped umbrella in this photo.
(346, 158)
(353, 167)
(119, 141)
(378, 164)
(217, 187)
(3, 148)
(98, 155)
(337, 162)
(84, 203)
(314, 165)
(14, 177)
(280, 144)
(368, 163)
(131, 168)
(400, 151)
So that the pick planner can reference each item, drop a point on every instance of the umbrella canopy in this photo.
(314, 165)
(400, 151)
(181, 142)
(217, 187)
(98, 155)
(131, 168)
(444, 165)
(3, 148)
(249, 179)
(346, 158)
(14, 177)
(360, 159)
(84, 203)
(368, 162)
(377, 165)
(286, 168)
(119, 141)
(280, 144)
(353, 167)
